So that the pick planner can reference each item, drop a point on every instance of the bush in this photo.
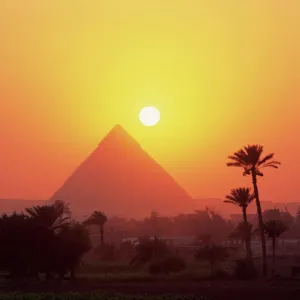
(212, 253)
(106, 252)
(245, 269)
(169, 264)
(149, 250)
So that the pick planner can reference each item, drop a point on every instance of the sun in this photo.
(149, 116)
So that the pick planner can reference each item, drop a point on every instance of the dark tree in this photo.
(252, 161)
(150, 249)
(213, 254)
(99, 219)
(273, 229)
(71, 243)
(242, 197)
(31, 245)
(52, 216)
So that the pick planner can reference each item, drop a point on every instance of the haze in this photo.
(223, 74)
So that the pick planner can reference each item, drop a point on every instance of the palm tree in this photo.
(273, 229)
(242, 197)
(97, 218)
(242, 231)
(252, 161)
(52, 217)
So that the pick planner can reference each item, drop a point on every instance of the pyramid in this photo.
(121, 179)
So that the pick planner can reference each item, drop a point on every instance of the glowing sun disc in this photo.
(149, 116)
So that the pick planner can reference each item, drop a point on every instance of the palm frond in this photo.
(240, 196)
(97, 218)
(230, 198)
(254, 153)
(231, 202)
(265, 159)
(232, 164)
(239, 157)
(272, 164)
(274, 228)
(250, 159)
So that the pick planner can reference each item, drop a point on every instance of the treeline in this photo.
(44, 240)
(199, 222)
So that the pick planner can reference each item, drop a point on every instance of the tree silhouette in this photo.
(148, 249)
(42, 241)
(15, 236)
(53, 216)
(276, 214)
(242, 197)
(273, 229)
(71, 243)
(243, 230)
(153, 220)
(212, 254)
(99, 219)
(252, 161)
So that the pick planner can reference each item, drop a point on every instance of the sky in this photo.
(222, 73)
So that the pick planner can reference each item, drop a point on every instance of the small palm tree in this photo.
(274, 229)
(243, 231)
(252, 161)
(99, 219)
(212, 254)
(53, 216)
(242, 197)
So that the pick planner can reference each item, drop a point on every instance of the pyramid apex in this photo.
(118, 133)
(117, 127)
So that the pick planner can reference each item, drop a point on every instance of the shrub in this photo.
(169, 264)
(245, 269)
(106, 252)
(212, 254)
(149, 250)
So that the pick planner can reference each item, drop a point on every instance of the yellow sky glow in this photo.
(223, 73)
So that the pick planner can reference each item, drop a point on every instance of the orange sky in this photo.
(222, 73)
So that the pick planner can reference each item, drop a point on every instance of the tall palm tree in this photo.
(252, 161)
(242, 197)
(273, 229)
(52, 217)
(97, 218)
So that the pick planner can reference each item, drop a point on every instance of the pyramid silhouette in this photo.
(120, 178)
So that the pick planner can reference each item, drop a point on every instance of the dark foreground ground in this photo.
(218, 290)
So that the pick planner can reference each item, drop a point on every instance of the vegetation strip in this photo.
(94, 296)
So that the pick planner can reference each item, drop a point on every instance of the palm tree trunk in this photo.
(101, 235)
(247, 238)
(261, 227)
(273, 256)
